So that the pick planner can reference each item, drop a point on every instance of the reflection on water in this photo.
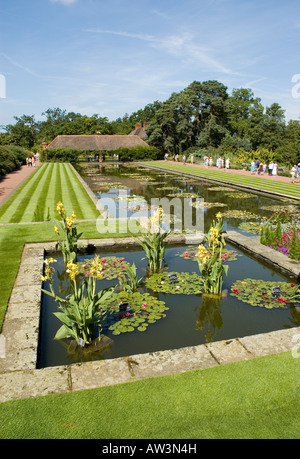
(138, 186)
(190, 320)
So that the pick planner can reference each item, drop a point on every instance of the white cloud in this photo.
(182, 46)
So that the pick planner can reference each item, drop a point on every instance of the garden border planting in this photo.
(19, 377)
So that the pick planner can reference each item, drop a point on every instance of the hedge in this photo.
(125, 154)
(11, 158)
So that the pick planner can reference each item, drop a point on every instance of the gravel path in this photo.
(12, 181)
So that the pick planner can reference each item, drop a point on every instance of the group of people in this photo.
(262, 168)
(295, 172)
(220, 162)
(31, 160)
(176, 158)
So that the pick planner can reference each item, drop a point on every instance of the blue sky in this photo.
(113, 57)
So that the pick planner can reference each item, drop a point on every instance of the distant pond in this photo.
(130, 186)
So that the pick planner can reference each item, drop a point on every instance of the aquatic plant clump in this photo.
(175, 283)
(190, 253)
(265, 294)
(67, 231)
(143, 309)
(83, 309)
(211, 258)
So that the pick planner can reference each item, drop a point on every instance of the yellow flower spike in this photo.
(60, 208)
(56, 229)
(219, 215)
(52, 260)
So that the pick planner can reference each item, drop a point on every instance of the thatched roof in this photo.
(97, 142)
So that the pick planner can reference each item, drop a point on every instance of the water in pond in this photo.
(190, 320)
(241, 210)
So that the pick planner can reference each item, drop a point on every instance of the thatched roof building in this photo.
(96, 142)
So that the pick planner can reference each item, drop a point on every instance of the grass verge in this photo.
(257, 399)
(254, 183)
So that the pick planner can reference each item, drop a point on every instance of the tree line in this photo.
(203, 118)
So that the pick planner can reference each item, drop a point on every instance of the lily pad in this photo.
(208, 205)
(145, 309)
(188, 284)
(190, 253)
(250, 227)
(239, 214)
(257, 292)
(112, 267)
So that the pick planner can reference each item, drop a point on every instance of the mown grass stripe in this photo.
(87, 206)
(12, 203)
(41, 211)
(50, 205)
(58, 190)
(36, 197)
(72, 187)
(67, 192)
(21, 202)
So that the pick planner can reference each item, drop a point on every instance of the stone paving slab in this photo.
(33, 383)
(99, 374)
(171, 362)
(271, 343)
(229, 351)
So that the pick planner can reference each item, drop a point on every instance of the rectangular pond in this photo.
(189, 318)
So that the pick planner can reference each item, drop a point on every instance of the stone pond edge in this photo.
(20, 379)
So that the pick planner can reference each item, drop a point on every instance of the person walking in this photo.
(270, 168)
(298, 172)
(293, 172)
(275, 167)
(252, 169)
(260, 168)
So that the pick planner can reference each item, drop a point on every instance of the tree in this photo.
(24, 132)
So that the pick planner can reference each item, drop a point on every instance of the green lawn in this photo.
(249, 181)
(254, 399)
(36, 199)
(257, 399)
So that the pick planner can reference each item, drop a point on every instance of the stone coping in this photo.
(19, 377)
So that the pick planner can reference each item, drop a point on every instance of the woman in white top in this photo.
(293, 172)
